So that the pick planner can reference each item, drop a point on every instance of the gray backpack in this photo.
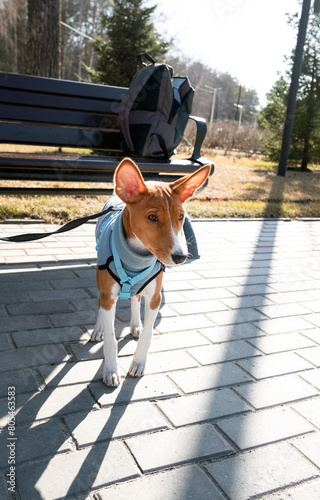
(154, 112)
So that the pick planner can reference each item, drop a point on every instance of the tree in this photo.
(13, 22)
(130, 31)
(81, 20)
(44, 38)
(272, 118)
(305, 139)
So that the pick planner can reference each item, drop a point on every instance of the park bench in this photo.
(65, 114)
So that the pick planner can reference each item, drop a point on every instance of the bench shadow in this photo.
(30, 430)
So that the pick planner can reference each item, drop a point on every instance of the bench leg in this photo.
(193, 253)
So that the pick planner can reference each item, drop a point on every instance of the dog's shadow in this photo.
(50, 436)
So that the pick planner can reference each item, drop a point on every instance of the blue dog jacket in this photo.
(132, 271)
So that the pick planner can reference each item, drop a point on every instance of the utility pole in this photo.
(214, 95)
(287, 131)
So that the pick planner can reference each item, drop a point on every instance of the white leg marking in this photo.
(140, 356)
(135, 323)
(104, 329)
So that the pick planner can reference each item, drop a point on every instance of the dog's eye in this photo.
(153, 218)
(181, 216)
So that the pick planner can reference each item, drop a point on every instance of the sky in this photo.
(246, 38)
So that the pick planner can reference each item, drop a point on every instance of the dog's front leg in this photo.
(152, 294)
(104, 328)
(135, 323)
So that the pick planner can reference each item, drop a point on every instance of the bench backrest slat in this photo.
(56, 116)
(67, 111)
(51, 101)
(62, 87)
(42, 135)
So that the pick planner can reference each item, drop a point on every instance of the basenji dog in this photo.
(144, 230)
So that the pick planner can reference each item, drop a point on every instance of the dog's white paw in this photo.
(111, 378)
(136, 330)
(97, 334)
(137, 368)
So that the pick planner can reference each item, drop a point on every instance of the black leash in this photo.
(66, 227)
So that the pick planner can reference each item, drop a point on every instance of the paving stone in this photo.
(219, 334)
(305, 491)
(159, 362)
(177, 340)
(8, 296)
(283, 310)
(310, 410)
(18, 323)
(246, 302)
(209, 405)
(19, 285)
(227, 351)
(210, 294)
(261, 471)
(275, 364)
(149, 387)
(246, 315)
(71, 373)
(65, 294)
(313, 334)
(291, 297)
(60, 284)
(182, 323)
(117, 422)
(241, 291)
(275, 391)
(76, 473)
(209, 377)
(294, 286)
(74, 318)
(35, 441)
(178, 484)
(168, 448)
(5, 344)
(310, 447)
(314, 306)
(313, 377)
(314, 319)
(283, 325)
(3, 488)
(46, 404)
(213, 283)
(23, 381)
(201, 306)
(47, 275)
(264, 427)
(281, 342)
(48, 336)
(312, 355)
(32, 356)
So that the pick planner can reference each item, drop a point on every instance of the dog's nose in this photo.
(178, 258)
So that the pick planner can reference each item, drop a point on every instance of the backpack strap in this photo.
(137, 83)
(146, 56)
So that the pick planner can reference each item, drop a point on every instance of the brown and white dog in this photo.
(152, 223)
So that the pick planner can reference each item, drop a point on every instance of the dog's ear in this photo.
(129, 183)
(186, 187)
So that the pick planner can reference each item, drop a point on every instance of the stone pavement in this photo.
(230, 405)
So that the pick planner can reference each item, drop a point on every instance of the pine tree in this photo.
(130, 31)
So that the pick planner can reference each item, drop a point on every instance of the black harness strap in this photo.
(66, 227)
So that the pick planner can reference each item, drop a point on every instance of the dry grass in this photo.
(240, 187)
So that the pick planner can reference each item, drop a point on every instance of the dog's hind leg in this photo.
(152, 294)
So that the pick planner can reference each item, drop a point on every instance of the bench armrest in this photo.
(200, 136)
